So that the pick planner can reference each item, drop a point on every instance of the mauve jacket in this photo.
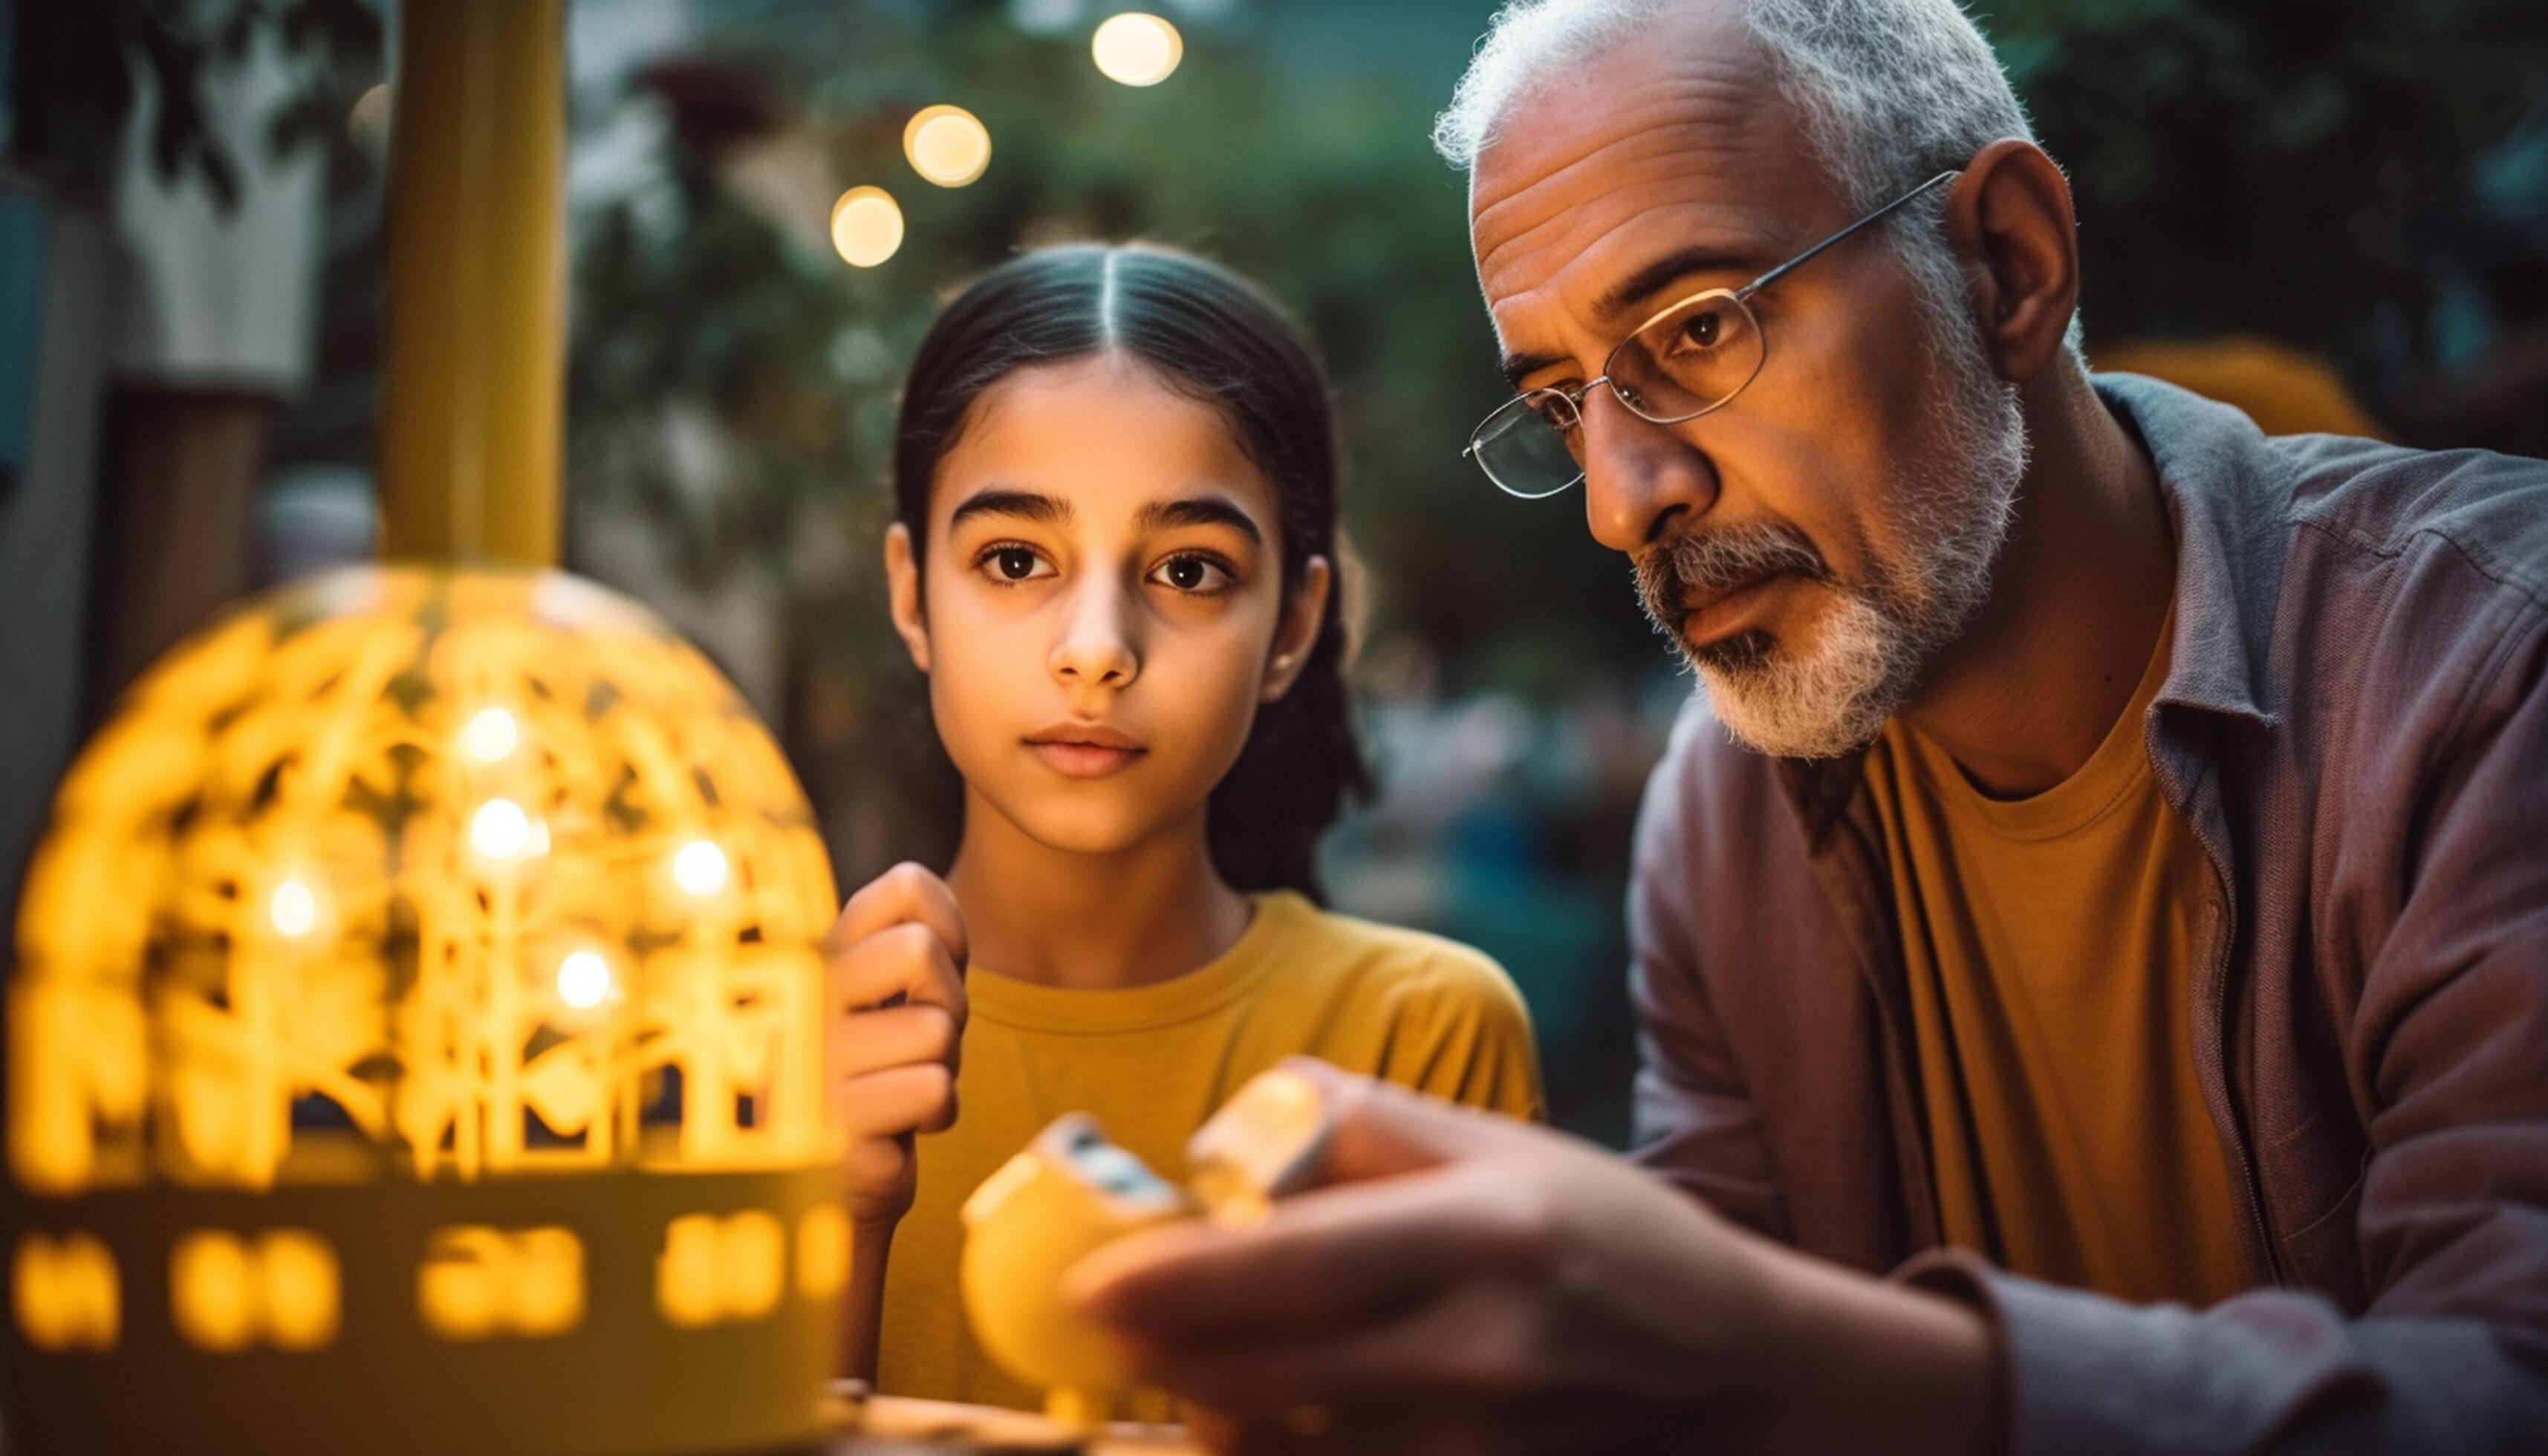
(2354, 723)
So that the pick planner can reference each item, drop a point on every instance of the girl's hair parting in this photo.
(1209, 335)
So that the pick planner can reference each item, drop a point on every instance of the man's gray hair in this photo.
(1892, 91)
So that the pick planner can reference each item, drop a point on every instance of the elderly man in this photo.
(2092, 940)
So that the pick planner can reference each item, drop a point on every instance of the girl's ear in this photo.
(902, 584)
(1299, 632)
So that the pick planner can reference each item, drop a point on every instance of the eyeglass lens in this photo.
(1682, 364)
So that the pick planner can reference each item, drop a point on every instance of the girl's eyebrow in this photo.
(1201, 510)
(1005, 501)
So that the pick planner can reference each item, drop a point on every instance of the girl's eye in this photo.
(1196, 574)
(1011, 564)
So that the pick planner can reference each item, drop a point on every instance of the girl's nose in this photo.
(1096, 648)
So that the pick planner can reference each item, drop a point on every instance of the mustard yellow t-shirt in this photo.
(1153, 1062)
(2050, 944)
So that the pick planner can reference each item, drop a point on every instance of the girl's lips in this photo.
(1084, 760)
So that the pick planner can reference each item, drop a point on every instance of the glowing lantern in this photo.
(415, 1043)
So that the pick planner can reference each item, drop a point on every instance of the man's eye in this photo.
(1012, 564)
(1704, 329)
(1191, 574)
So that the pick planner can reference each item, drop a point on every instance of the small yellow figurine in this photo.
(1069, 1192)
(1072, 1191)
(1266, 1142)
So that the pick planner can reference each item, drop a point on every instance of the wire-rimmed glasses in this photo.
(1693, 357)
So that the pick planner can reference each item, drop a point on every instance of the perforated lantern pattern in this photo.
(454, 936)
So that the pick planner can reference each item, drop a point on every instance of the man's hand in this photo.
(1489, 1286)
(894, 1005)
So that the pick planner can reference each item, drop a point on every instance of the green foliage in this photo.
(2250, 166)
(1322, 186)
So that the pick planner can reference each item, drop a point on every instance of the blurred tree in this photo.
(2261, 167)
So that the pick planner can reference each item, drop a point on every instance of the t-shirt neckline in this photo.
(1036, 1007)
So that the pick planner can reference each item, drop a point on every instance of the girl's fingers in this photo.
(918, 1098)
(906, 962)
(906, 893)
(863, 1042)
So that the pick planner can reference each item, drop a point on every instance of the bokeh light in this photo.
(947, 144)
(1137, 48)
(867, 226)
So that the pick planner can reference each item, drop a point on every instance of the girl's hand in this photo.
(895, 1008)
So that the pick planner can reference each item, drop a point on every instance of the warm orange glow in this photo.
(867, 226)
(66, 1293)
(823, 1252)
(1137, 48)
(713, 1269)
(947, 144)
(477, 1283)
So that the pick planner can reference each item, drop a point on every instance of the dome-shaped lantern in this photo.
(413, 1043)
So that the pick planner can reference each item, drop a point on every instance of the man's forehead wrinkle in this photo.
(1576, 233)
(1553, 315)
(1713, 114)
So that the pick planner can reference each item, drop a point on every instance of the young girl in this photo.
(1114, 483)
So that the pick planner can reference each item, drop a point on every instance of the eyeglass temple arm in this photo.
(1870, 220)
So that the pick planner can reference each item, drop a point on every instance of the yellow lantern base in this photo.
(620, 1311)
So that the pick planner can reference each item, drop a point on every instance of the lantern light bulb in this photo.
(584, 979)
(499, 830)
(492, 736)
(699, 867)
(293, 909)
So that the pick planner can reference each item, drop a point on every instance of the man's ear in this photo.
(902, 586)
(2009, 219)
(1298, 631)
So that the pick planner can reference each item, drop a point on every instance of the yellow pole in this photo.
(474, 317)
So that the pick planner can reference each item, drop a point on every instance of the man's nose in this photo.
(1096, 646)
(1638, 476)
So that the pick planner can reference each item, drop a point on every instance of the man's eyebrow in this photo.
(1641, 285)
(1638, 287)
(1519, 367)
(1201, 510)
(1005, 501)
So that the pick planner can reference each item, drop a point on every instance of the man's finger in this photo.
(905, 893)
(1328, 1257)
(906, 960)
(1471, 1342)
(1379, 1130)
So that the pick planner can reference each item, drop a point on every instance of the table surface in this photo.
(875, 1425)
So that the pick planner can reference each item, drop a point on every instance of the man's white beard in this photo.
(1876, 640)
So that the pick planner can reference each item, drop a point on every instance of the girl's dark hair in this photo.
(1210, 334)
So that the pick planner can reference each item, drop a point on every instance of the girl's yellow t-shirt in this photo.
(1153, 1062)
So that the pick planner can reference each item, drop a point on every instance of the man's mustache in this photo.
(1673, 573)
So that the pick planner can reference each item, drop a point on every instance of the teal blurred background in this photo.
(2333, 213)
